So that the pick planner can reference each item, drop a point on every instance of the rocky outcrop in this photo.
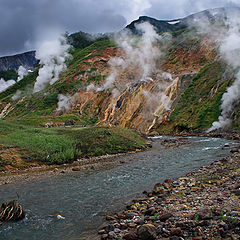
(26, 60)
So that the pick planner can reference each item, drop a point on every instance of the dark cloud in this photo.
(25, 22)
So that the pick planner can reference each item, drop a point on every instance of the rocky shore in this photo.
(202, 205)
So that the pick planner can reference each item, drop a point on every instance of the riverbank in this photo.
(204, 204)
(23, 147)
(43, 171)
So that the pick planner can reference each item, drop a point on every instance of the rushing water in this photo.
(83, 197)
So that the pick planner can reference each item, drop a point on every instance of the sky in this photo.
(26, 23)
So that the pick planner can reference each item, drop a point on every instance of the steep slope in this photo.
(182, 92)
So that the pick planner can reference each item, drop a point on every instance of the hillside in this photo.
(182, 91)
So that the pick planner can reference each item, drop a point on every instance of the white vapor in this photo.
(65, 102)
(139, 64)
(230, 50)
(139, 57)
(22, 72)
(5, 84)
(52, 55)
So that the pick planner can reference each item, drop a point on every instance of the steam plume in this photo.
(230, 50)
(139, 58)
(52, 55)
(5, 84)
(22, 72)
(65, 102)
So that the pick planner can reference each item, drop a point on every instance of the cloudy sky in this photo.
(25, 23)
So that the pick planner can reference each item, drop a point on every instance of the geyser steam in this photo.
(52, 55)
(5, 84)
(230, 50)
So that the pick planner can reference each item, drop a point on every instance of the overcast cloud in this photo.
(25, 23)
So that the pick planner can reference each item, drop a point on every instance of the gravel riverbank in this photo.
(202, 205)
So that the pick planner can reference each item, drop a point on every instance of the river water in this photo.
(84, 197)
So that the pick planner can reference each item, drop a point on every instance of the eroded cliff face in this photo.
(132, 102)
(140, 105)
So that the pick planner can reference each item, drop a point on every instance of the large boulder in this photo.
(11, 211)
(147, 232)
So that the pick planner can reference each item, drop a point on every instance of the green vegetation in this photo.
(199, 105)
(82, 39)
(8, 75)
(62, 145)
(21, 85)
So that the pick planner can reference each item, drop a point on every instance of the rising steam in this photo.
(5, 84)
(65, 102)
(52, 55)
(230, 50)
(22, 72)
(137, 65)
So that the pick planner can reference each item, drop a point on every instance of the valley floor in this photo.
(202, 205)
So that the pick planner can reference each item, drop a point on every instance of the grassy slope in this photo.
(36, 108)
(199, 105)
(61, 145)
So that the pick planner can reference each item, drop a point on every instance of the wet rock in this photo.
(11, 211)
(158, 189)
(147, 232)
(168, 180)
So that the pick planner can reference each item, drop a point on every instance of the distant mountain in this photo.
(26, 59)
(182, 92)
(160, 25)
(206, 16)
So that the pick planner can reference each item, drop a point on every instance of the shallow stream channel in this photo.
(85, 197)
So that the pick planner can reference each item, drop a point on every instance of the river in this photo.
(83, 198)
